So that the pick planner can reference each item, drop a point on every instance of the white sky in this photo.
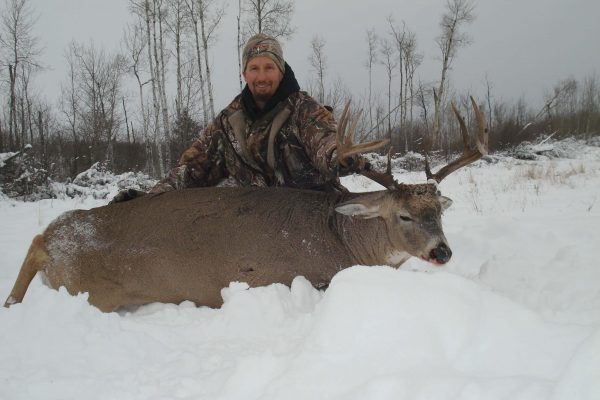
(524, 46)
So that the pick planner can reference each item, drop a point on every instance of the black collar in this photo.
(288, 85)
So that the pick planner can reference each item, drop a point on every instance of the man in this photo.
(272, 134)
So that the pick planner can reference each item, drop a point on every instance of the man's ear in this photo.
(358, 210)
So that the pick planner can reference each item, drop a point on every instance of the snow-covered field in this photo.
(514, 315)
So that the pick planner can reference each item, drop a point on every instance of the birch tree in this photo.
(135, 46)
(272, 17)
(458, 13)
(159, 16)
(98, 86)
(193, 15)
(176, 24)
(318, 61)
(389, 62)
(371, 59)
(412, 60)
(399, 34)
(20, 52)
(209, 16)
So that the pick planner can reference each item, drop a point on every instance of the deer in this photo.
(189, 244)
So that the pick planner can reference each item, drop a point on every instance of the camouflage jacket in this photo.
(292, 145)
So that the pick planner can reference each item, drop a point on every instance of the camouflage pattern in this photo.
(303, 150)
(263, 45)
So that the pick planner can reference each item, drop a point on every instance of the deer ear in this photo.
(445, 202)
(358, 210)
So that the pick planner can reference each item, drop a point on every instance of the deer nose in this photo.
(441, 254)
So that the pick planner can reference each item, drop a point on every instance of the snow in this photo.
(515, 314)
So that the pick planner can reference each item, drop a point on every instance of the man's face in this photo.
(263, 78)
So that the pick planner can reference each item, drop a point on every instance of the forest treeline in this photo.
(166, 57)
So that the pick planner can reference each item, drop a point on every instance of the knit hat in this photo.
(263, 45)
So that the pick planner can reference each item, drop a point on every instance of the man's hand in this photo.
(125, 195)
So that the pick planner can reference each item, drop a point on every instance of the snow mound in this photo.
(569, 148)
(99, 183)
(376, 333)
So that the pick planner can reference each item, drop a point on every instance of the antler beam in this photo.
(469, 154)
(347, 148)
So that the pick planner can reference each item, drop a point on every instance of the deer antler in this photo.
(345, 144)
(469, 154)
(347, 148)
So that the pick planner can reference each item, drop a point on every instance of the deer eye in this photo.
(405, 218)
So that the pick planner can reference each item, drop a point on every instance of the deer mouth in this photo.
(434, 261)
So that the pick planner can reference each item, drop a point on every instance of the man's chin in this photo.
(263, 97)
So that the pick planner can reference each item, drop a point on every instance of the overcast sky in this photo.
(524, 46)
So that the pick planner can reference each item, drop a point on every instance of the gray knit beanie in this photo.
(263, 45)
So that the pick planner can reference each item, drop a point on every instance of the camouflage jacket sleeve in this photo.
(317, 134)
(317, 131)
(202, 164)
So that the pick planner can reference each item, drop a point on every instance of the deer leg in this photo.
(37, 257)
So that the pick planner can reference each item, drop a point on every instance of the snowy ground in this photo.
(514, 315)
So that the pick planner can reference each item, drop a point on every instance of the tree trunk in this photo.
(239, 44)
(163, 93)
(13, 142)
(200, 74)
(206, 61)
(153, 75)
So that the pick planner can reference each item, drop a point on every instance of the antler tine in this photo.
(385, 179)
(345, 143)
(341, 130)
(469, 155)
(352, 130)
(482, 138)
(463, 127)
(347, 148)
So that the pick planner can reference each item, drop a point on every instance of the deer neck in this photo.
(366, 241)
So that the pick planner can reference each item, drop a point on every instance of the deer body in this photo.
(187, 245)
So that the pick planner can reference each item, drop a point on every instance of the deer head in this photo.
(411, 212)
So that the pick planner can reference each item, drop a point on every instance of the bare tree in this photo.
(422, 95)
(239, 41)
(371, 59)
(20, 51)
(176, 24)
(590, 104)
(488, 97)
(145, 10)
(318, 61)
(135, 46)
(413, 60)
(206, 17)
(458, 13)
(193, 14)
(69, 106)
(389, 62)
(95, 80)
(408, 61)
(398, 34)
(159, 16)
(272, 17)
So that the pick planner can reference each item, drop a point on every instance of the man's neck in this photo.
(260, 104)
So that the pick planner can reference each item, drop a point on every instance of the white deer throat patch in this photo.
(396, 258)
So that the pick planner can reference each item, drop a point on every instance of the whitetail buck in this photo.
(187, 245)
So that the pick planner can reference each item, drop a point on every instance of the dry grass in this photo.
(551, 173)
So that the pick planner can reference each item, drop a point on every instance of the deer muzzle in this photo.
(440, 254)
